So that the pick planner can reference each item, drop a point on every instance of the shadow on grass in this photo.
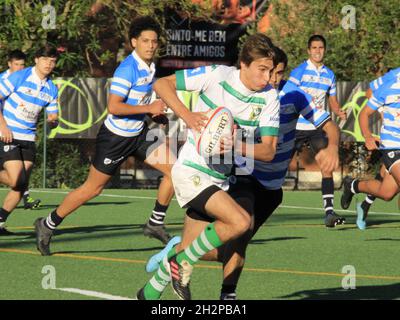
(383, 239)
(386, 292)
(262, 241)
(98, 232)
(47, 206)
(111, 250)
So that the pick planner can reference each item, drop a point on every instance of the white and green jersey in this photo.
(220, 86)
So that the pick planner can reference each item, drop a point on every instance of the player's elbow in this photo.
(111, 108)
(268, 155)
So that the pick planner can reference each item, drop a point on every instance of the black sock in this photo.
(53, 220)
(3, 216)
(158, 215)
(369, 199)
(228, 288)
(327, 188)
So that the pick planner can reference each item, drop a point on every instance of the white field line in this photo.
(154, 198)
(95, 294)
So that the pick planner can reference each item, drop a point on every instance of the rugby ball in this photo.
(218, 126)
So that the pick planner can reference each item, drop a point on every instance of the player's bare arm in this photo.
(166, 90)
(329, 157)
(264, 151)
(6, 134)
(117, 107)
(336, 108)
(370, 140)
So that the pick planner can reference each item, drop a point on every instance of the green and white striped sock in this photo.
(157, 284)
(207, 241)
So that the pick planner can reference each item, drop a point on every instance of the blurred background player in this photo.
(124, 134)
(16, 62)
(25, 94)
(313, 77)
(387, 96)
(363, 208)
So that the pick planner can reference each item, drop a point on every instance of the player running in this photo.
(316, 79)
(16, 62)
(124, 134)
(25, 94)
(387, 96)
(363, 208)
(260, 191)
(199, 185)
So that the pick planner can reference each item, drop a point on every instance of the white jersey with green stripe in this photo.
(220, 86)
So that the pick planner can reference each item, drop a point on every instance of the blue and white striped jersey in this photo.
(133, 81)
(25, 96)
(387, 77)
(294, 102)
(317, 82)
(4, 75)
(388, 97)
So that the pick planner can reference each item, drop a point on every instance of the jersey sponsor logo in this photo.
(108, 161)
(26, 114)
(195, 72)
(275, 119)
(395, 98)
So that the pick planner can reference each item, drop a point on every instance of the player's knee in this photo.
(96, 191)
(388, 196)
(242, 223)
(19, 184)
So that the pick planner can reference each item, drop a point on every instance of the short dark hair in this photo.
(143, 23)
(47, 51)
(255, 47)
(316, 37)
(16, 55)
(281, 56)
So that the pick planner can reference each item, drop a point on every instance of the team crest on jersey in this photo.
(6, 148)
(391, 154)
(142, 81)
(196, 180)
(27, 91)
(255, 113)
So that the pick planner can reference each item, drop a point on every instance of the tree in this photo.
(90, 34)
(362, 53)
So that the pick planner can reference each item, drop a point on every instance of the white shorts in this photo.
(189, 183)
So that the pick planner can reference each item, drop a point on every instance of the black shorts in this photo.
(316, 139)
(17, 150)
(112, 149)
(390, 157)
(196, 207)
(252, 196)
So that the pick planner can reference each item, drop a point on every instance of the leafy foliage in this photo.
(91, 33)
(354, 54)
